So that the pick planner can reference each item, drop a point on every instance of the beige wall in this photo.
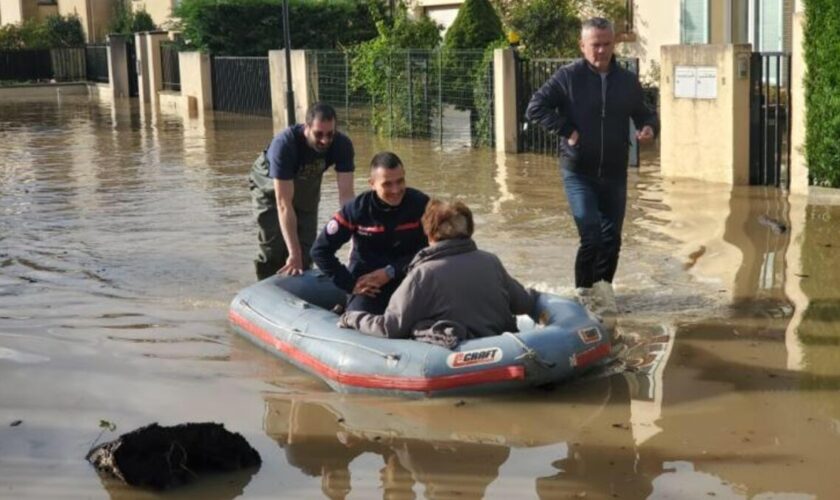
(717, 22)
(655, 25)
(798, 164)
(160, 10)
(11, 11)
(706, 139)
(94, 14)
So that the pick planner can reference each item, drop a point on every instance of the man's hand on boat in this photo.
(293, 267)
(370, 284)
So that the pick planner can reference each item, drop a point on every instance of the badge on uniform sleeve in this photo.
(332, 227)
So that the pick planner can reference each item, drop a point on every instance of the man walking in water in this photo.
(285, 187)
(589, 104)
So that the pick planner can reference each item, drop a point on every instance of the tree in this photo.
(476, 26)
(63, 31)
(546, 28)
(127, 21)
(551, 28)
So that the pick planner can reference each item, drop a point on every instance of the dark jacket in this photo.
(382, 235)
(572, 100)
(451, 280)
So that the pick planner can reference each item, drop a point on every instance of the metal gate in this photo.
(131, 61)
(241, 85)
(770, 119)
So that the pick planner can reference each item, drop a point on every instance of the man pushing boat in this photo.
(385, 226)
(285, 187)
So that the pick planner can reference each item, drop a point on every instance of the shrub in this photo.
(126, 21)
(63, 31)
(822, 91)
(379, 67)
(54, 32)
(547, 28)
(475, 27)
(253, 27)
(551, 28)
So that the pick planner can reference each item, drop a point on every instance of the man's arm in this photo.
(345, 187)
(336, 233)
(643, 117)
(405, 309)
(284, 192)
(547, 102)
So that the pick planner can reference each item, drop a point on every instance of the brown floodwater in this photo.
(124, 236)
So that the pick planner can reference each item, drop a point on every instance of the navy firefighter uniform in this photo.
(384, 236)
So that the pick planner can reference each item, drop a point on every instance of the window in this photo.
(770, 31)
(694, 21)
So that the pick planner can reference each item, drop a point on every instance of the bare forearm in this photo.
(288, 226)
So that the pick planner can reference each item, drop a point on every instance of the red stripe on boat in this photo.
(420, 384)
(408, 225)
(592, 355)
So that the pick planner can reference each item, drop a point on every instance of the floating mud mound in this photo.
(165, 457)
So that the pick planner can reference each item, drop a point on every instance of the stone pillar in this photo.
(141, 51)
(118, 65)
(798, 162)
(504, 94)
(705, 106)
(196, 83)
(304, 89)
(153, 66)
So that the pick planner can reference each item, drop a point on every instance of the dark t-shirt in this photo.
(289, 154)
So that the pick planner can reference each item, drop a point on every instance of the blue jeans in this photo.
(598, 206)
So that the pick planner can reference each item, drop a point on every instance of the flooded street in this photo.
(124, 237)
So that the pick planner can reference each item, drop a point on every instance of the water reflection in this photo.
(448, 448)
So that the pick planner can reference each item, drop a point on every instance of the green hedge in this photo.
(54, 32)
(253, 27)
(822, 91)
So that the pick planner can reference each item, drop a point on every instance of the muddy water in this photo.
(123, 237)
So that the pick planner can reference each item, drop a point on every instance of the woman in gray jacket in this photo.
(452, 288)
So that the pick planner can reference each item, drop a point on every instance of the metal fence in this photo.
(170, 67)
(426, 93)
(241, 85)
(43, 65)
(330, 81)
(68, 65)
(25, 65)
(531, 74)
(96, 63)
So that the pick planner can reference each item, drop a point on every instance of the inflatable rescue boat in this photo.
(292, 318)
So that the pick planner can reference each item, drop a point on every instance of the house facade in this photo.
(95, 15)
(17, 11)
(766, 24)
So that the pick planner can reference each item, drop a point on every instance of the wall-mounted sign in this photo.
(695, 82)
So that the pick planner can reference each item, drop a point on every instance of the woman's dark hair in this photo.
(385, 159)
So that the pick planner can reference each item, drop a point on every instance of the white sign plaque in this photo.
(706, 82)
(685, 82)
(695, 82)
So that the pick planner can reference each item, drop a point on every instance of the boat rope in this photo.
(387, 355)
(530, 353)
